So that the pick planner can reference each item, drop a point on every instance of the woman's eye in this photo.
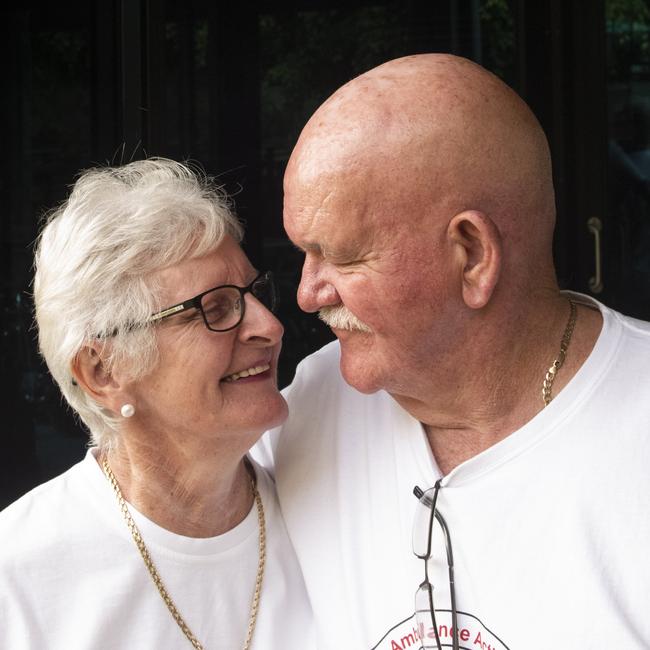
(220, 306)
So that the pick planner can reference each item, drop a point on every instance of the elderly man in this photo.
(476, 476)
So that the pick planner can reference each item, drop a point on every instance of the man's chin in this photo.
(356, 374)
(341, 334)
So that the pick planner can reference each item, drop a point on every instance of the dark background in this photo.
(230, 85)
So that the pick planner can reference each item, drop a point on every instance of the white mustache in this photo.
(340, 317)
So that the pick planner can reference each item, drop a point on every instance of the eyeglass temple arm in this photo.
(452, 585)
(428, 502)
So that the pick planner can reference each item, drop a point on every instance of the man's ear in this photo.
(478, 249)
(91, 374)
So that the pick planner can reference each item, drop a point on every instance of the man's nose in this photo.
(315, 289)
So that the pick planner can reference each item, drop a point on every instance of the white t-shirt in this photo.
(71, 576)
(550, 528)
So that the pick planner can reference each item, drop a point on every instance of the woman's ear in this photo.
(478, 249)
(90, 372)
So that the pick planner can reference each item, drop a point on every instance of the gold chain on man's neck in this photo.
(557, 364)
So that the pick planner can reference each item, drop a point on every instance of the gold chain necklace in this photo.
(155, 576)
(557, 364)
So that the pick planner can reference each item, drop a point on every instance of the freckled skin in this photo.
(367, 258)
(421, 193)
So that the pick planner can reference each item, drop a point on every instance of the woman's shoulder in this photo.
(45, 516)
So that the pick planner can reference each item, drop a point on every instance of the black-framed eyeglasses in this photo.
(223, 307)
(425, 611)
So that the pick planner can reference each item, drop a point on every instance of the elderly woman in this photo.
(159, 332)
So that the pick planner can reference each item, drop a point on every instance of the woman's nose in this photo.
(260, 323)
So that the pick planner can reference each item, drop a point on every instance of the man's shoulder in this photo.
(316, 380)
(635, 327)
(630, 324)
(324, 361)
(622, 338)
(320, 370)
(631, 338)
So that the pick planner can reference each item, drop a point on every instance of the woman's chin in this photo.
(271, 414)
(278, 414)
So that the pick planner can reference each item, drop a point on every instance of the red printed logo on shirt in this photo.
(472, 634)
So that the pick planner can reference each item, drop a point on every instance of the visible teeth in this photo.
(249, 372)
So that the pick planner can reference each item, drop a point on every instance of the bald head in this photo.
(421, 193)
(435, 135)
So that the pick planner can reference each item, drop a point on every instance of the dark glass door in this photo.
(626, 265)
(227, 84)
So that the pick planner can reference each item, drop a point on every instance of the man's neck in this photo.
(499, 388)
(196, 495)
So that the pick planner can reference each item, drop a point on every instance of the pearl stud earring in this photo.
(127, 410)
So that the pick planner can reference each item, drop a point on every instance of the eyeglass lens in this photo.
(263, 289)
(224, 307)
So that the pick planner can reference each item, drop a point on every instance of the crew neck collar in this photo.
(545, 423)
(166, 541)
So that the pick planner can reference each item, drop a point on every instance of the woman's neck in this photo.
(196, 495)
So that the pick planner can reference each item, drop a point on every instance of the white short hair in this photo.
(94, 263)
